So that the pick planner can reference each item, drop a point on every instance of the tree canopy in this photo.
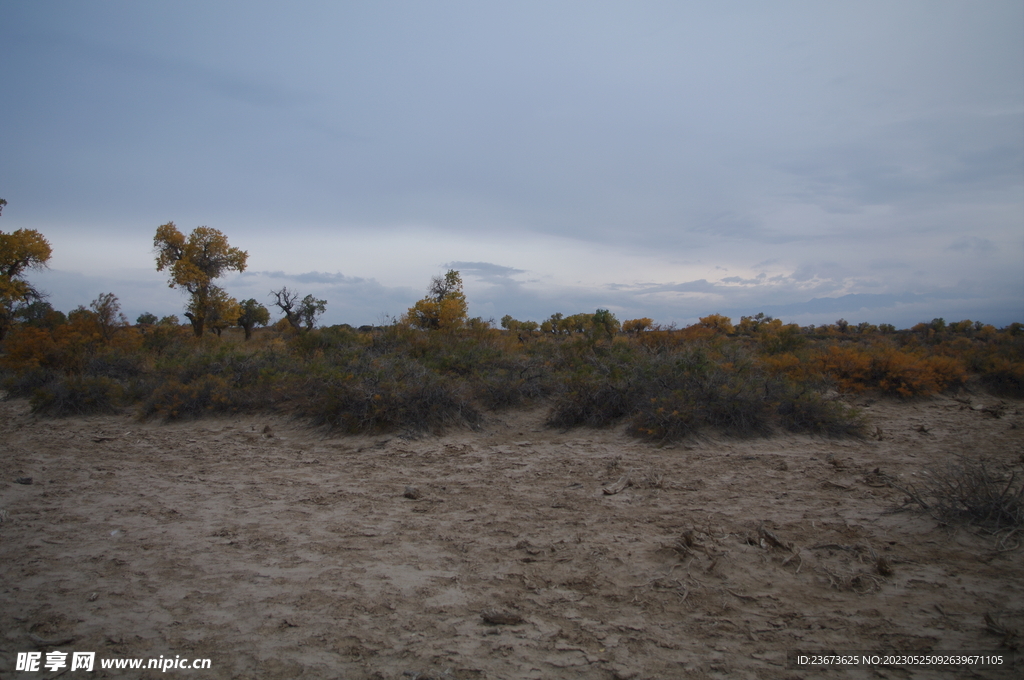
(194, 263)
(20, 251)
(445, 306)
(251, 314)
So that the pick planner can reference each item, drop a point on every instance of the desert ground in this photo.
(511, 551)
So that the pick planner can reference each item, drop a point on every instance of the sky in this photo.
(671, 160)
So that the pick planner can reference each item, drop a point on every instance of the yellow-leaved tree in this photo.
(193, 264)
(718, 323)
(444, 308)
(20, 250)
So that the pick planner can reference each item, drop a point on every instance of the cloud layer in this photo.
(660, 159)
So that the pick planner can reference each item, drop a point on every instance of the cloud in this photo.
(699, 286)
(660, 160)
(150, 69)
(757, 280)
(335, 278)
(972, 244)
(486, 271)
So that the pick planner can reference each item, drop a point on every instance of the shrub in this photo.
(24, 383)
(413, 400)
(116, 365)
(207, 394)
(590, 402)
(811, 414)
(508, 389)
(1004, 378)
(890, 370)
(969, 492)
(732, 408)
(848, 367)
(77, 396)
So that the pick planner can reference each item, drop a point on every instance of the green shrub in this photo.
(507, 390)
(116, 365)
(1004, 378)
(811, 414)
(591, 402)
(23, 384)
(734, 409)
(415, 400)
(77, 395)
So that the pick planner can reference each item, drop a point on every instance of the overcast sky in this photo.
(813, 160)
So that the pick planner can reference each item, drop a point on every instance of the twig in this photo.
(773, 539)
(748, 598)
(617, 486)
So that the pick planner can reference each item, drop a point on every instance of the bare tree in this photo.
(286, 301)
(299, 312)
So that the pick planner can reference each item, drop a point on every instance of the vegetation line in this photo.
(435, 367)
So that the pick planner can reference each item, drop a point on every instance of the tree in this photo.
(509, 323)
(442, 287)
(109, 318)
(146, 319)
(605, 323)
(221, 310)
(751, 325)
(20, 250)
(40, 314)
(194, 263)
(287, 302)
(637, 326)
(577, 323)
(310, 310)
(252, 314)
(528, 326)
(718, 323)
(299, 313)
(444, 308)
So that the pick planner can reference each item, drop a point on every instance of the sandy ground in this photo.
(279, 552)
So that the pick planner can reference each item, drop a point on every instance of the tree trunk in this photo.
(197, 324)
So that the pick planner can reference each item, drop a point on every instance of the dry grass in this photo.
(971, 492)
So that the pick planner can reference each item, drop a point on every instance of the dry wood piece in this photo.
(495, 617)
(773, 539)
(827, 485)
(748, 598)
(42, 642)
(617, 486)
(837, 546)
(996, 411)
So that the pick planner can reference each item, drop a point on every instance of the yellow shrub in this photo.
(849, 367)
